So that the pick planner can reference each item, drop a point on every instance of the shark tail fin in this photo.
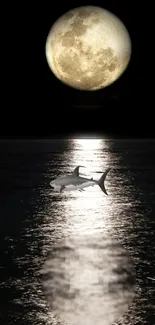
(102, 179)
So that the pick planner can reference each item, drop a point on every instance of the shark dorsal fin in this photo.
(76, 171)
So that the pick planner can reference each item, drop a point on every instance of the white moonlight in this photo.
(88, 48)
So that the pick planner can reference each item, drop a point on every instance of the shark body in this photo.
(75, 182)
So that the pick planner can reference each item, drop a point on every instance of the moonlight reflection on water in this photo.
(88, 277)
(95, 267)
(88, 280)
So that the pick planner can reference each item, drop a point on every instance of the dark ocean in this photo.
(77, 258)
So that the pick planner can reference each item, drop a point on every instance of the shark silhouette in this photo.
(74, 182)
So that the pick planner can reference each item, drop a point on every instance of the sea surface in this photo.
(77, 258)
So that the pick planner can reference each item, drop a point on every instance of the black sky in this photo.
(37, 104)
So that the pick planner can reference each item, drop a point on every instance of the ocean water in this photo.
(77, 258)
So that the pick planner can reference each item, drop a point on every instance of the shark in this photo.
(74, 182)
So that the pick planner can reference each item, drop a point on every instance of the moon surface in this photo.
(88, 48)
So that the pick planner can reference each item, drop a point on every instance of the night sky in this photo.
(37, 104)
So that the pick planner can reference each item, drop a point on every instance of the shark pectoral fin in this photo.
(62, 188)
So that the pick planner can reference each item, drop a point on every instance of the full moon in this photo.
(88, 48)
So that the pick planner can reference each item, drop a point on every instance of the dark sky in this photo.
(37, 104)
